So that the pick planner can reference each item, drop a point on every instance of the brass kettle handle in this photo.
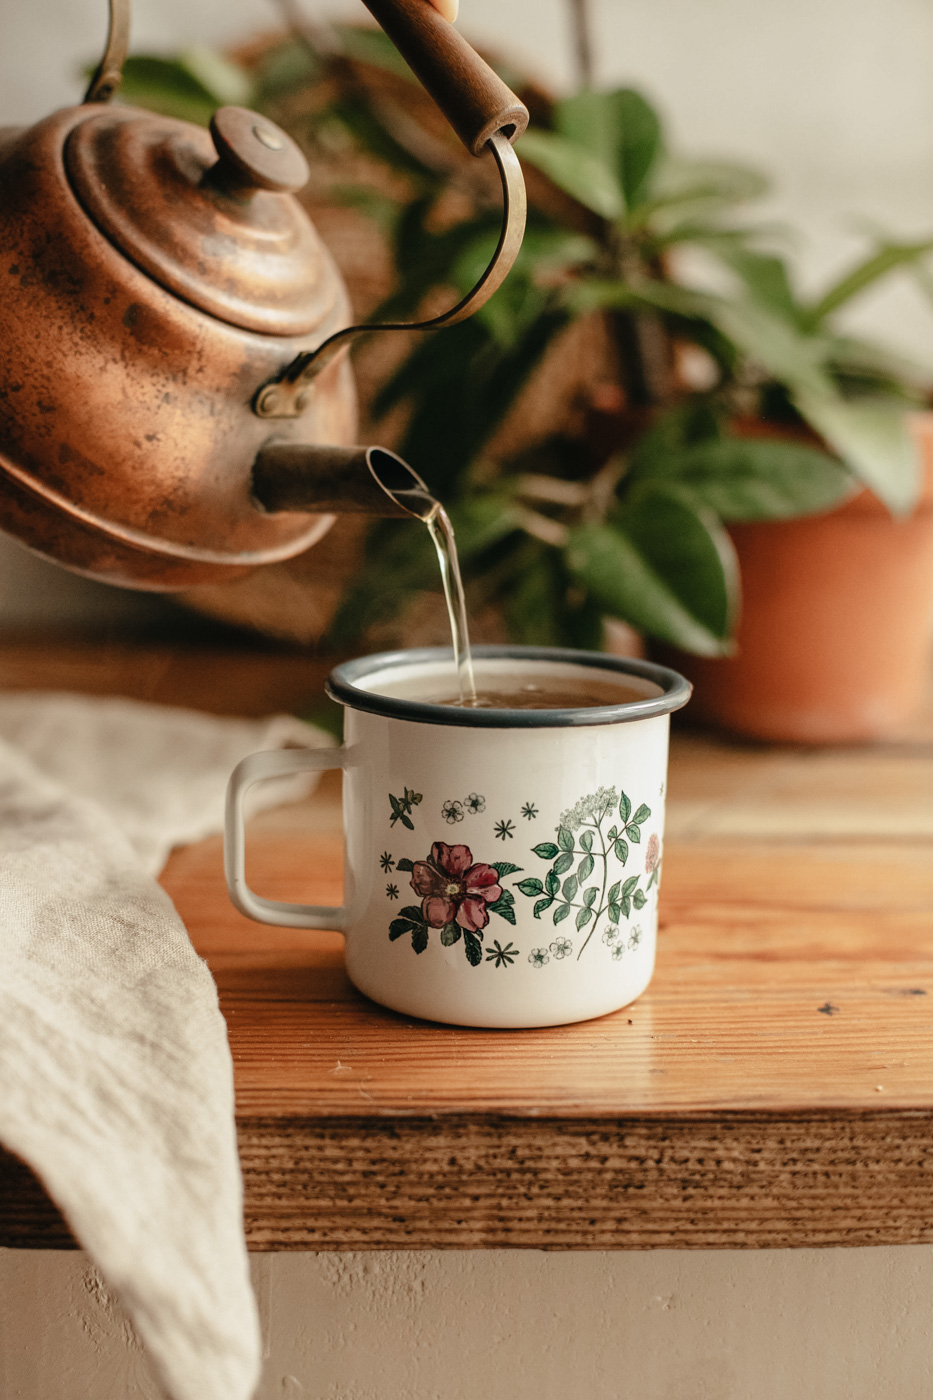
(472, 97)
(109, 72)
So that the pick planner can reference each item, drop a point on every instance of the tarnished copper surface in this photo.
(157, 190)
(126, 437)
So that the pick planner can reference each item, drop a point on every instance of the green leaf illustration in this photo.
(504, 907)
(551, 883)
(642, 814)
(413, 912)
(564, 839)
(630, 884)
(615, 913)
(541, 905)
(450, 933)
(633, 833)
(563, 863)
(614, 892)
(406, 821)
(639, 899)
(505, 867)
(569, 888)
(473, 948)
(583, 917)
(531, 887)
(405, 864)
(589, 899)
(625, 808)
(419, 938)
(399, 927)
(585, 868)
(611, 834)
(586, 840)
(547, 850)
(561, 912)
(626, 905)
(621, 850)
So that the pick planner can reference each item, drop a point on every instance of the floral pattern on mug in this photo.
(458, 895)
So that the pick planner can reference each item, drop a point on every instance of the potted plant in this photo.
(610, 434)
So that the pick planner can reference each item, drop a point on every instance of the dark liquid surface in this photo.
(547, 695)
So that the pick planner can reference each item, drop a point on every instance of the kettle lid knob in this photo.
(254, 154)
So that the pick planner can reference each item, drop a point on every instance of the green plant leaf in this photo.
(625, 904)
(633, 833)
(398, 927)
(625, 807)
(563, 863)
(505, 867)
(621, 850)
(546, 850)
(576, 171)
(765, 277)
(589, 899)
(618, 127)
(614, 892)
(531, 887)
(419, 938)
(873, 439)
(615, 912)
(473, 948)
(569, 888)
(878, 264)
(541, 905)
(583, 917)
(642, 814)
(405, 864)
(564, 839)
(551, 883)
(685, 187)
(751, 478)
(586, 840)
(450, 934)
(190, 86)
(767, 338)
(585, 869)
(629, 885)
(664, 566)
(639, 899)
(561, 912)
(413, 912)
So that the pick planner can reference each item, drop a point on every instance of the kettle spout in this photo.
(297, 476)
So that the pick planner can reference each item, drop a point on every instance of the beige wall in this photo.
(500, 1325)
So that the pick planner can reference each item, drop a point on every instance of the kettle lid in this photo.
(210, 217)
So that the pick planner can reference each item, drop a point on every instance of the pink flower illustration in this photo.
(453, 889)
(652, 853)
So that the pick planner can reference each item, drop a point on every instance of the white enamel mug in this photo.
(502, 867)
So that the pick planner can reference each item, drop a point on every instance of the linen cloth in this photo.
(116, 1082)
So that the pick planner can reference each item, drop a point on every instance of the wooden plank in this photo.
(774, 1086)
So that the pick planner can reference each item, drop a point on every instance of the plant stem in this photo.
(602, 894)
(582, 41)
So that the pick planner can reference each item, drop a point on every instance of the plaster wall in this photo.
(502, 1325)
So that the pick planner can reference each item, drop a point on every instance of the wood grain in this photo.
(773, 1087)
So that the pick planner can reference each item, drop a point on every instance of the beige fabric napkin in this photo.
(115, 1075)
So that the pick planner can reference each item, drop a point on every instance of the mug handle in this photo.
(272, 763)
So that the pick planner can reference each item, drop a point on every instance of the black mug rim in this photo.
(342, 686)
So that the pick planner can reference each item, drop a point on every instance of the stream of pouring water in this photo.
(418, 500)
(442, 535)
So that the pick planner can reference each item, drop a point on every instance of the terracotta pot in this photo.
(835, 632)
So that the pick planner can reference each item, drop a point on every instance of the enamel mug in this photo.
(502, 866)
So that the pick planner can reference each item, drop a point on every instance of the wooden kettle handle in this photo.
(474, 100)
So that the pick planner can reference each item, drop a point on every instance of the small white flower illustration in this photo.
(611, 935)
(561, 947)
(635, 936)
(618, 952)
(538, 957)
(452, 811)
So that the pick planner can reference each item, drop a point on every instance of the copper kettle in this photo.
(175, 408)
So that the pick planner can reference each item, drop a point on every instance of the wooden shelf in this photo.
(774, 1086)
